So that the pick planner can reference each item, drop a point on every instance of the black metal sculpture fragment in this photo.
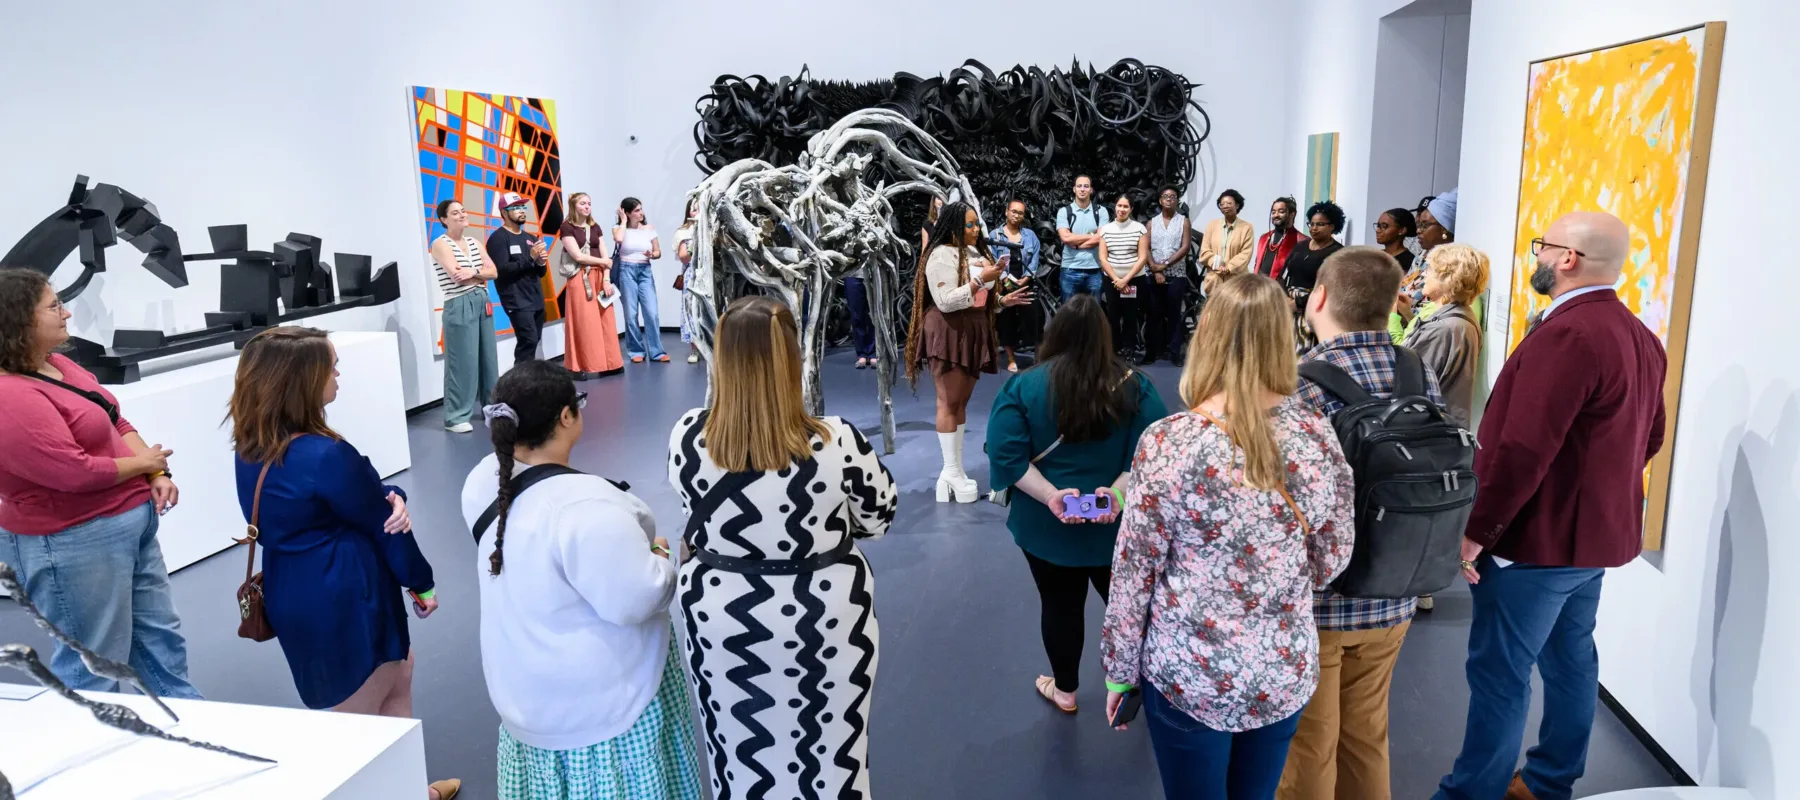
(112, 715)
(100, 665)
(259, 289)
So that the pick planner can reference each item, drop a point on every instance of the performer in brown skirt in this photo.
(590, 335)
(952, 331)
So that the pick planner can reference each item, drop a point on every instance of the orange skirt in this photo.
(590, 336)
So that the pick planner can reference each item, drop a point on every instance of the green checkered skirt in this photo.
(654, 760)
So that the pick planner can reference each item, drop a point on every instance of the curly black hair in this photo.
(1332, 213)
(20, 292)
(1233, 194)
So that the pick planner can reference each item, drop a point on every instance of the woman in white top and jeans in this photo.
(1170, 238)
(1124, 250)
(577, 645)
(638, 247)
(470, 362)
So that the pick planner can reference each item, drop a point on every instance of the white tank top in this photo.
(636, 247)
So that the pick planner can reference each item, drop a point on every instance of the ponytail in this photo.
(529, 401)
(505, 434)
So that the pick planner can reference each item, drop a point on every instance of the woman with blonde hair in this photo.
(776, 498)
(590, 334)
(1446, 334)
(1238, 510)
(337, 544)
(952, 332)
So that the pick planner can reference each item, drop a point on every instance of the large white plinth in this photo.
(319, 754)
(184, 410)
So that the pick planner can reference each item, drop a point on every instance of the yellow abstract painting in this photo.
(1624, 129)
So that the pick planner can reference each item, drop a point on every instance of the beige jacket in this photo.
(1235, 249)
(949, 287)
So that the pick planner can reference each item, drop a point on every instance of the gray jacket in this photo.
(1449, 342)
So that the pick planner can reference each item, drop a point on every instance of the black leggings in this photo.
(1063, 591)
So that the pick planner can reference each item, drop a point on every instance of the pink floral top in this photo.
(1212, 580)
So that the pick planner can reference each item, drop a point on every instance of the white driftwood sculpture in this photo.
(829, 222)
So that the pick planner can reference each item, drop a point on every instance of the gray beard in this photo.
(1543, 279)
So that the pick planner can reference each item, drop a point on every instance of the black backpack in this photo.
(1415, 482)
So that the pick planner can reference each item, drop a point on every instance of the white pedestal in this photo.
(184, 410)
(319, 754)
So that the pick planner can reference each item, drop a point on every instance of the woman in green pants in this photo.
(463, 270)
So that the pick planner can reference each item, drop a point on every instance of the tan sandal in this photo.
(1046, 688)
(446, 789)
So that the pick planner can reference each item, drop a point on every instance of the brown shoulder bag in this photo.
(253, 621)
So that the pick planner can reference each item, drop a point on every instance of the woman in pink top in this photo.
(1238, 511)
(80, 493)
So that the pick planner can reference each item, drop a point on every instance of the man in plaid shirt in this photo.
(1341, 749)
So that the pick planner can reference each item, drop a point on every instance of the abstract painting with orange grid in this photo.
(474, 148)
(1624, 129)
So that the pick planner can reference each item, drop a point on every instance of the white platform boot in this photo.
(952, 483)
(968, 482)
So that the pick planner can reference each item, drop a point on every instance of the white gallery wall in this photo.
(672, 52)
(282, 116)
(1697, 642)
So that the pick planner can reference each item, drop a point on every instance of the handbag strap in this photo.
(1305, 527)
(252, 532)
(522, 481)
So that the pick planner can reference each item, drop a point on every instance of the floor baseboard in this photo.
(1662, 756)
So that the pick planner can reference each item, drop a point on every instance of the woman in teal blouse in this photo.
(1094, 439)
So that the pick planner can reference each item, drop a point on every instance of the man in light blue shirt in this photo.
(1078, 225)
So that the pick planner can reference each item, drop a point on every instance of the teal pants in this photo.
(471, 364)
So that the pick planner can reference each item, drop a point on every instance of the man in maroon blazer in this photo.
(1573, 419)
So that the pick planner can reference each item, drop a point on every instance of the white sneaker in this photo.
(1426, 603)
(460, 427)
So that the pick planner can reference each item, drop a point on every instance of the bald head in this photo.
(1602, 240)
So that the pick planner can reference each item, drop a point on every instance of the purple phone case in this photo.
(1087, 506)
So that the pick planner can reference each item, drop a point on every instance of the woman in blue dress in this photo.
(337, 544)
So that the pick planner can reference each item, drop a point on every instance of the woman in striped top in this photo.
(1124, 250)
(470, 361)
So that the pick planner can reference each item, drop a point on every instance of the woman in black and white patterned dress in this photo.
(777, 604)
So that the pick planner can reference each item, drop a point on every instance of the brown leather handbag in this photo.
(253, 621)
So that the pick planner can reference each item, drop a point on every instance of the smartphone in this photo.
(1128, 708)
(1088, 506)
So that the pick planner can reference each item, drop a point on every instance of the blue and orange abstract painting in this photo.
(474, 148)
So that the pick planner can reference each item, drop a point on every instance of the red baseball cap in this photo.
(511, 199)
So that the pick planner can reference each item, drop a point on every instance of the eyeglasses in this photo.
(580, 400)
(1318, 223)
(1382, 226)
(55, 307)
(1538, 245)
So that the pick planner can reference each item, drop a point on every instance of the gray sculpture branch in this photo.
(833, 222)
(100, 665)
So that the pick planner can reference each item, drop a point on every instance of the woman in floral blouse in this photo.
(1232, 521)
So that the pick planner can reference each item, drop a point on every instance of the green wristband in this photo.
(427, 594)
(1118, 496)
(1118, 687)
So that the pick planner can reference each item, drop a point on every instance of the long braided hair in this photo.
(947, 232)
(538, 393)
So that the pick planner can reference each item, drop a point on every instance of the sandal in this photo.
(446, 789)
(862, 363)
(662, 359)
(1046, 688)
(637, 359)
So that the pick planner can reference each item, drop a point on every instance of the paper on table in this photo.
(20, 691)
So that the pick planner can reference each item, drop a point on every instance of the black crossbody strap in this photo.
(112, 411)
(1336, 382)
(524, 481)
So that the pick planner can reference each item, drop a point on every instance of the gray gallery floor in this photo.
(954, 716)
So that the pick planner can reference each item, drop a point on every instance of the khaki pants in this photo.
(1341, 749)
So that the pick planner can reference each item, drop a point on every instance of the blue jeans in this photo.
(1198, 762)
(1527, 615)
(862, 329)
(103, 583)
(637, 295)
(1081, 281)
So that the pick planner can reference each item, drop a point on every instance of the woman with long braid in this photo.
(576, 641)
(952, 332)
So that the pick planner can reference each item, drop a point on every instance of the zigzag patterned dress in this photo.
(783, 665)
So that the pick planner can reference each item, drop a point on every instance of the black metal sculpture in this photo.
(258, 290)
(1020, 134)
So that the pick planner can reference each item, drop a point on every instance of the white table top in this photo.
(316, 751)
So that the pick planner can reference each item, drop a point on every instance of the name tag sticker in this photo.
(514, 250)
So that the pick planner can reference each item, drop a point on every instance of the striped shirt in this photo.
(1122, 244)
(1368, 356)
(468, 256)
